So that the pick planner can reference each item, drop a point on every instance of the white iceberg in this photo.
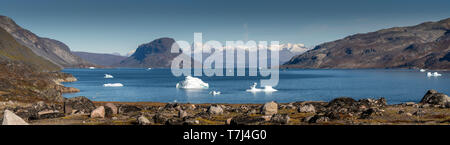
(422, 70)
(91, 67)
(192, 83)
(214, 93)
(435, 74)
(113, 85)
(253, 89)
(108, 76)
(149, 68)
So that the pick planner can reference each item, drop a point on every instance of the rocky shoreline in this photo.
(434, 108)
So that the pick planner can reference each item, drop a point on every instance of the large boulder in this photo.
(142, 120)
(9, 118)
(98, 113)
(129, 109)
(215, 109)
(112, 107)
(307, 109)
(78, 104)
(246, 120)
(280, 119)
(435, 98)
(269, 108)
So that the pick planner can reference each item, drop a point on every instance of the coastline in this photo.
(340, 111)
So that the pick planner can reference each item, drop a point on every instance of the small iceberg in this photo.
(253, 89)
(435, 74)
(113, 85)
(422, 70)
(214, 93)
(192, 83)
(108, 76)
(91, 67)
(149, 68)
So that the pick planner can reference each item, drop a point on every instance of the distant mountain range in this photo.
(102, 59)
(426, 45)
(52, 50)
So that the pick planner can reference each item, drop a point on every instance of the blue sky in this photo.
(106, 26)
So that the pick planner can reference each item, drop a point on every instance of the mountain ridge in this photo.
(53, 50)
(425, 45)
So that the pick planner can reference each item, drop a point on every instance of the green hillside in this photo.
(12, 50)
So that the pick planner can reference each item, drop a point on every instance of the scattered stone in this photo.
(408, 114)
(228, 121)
(266, 117)
(182, 114)
(215, 109)
(307, 109)
(108, 111)
(409, 103)
(162, 117)
(81, 104)
(318, 119)
(191, 107)
(142, 120)
(98, 113)
(419, 113)
(125, 109)
(401, 112)
(269, 108)
(9, 118)
(281, 119)
(246, 120)
(307, 119)
(435, 98)
(112, 107)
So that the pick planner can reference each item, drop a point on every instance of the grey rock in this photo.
(112, 107)
(269, 108)
(142, 120)
(81, 104)
(307, 109)
(434, 98)
(281, 119)
(9, 118)
(214, 109)
(99, 112)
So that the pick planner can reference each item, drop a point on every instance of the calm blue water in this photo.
(158, 85)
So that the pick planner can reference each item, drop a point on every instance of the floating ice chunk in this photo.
(435, 74)
(108, 76)
(192, 83)
(214, 93)
(253, 89)
(149, 68)
(91, 67)
(113, 85)
(422, 70)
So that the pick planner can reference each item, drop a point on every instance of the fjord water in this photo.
(158, 85)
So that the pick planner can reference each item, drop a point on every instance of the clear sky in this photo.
(106, 26)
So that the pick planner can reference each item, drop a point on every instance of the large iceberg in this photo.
(113, 85)
(192, 83)
(267, 89)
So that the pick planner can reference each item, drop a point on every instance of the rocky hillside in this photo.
(52, 50)
(25, 76)
(10, 49)
(426, 45)
(155, 54)
(100, 58)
